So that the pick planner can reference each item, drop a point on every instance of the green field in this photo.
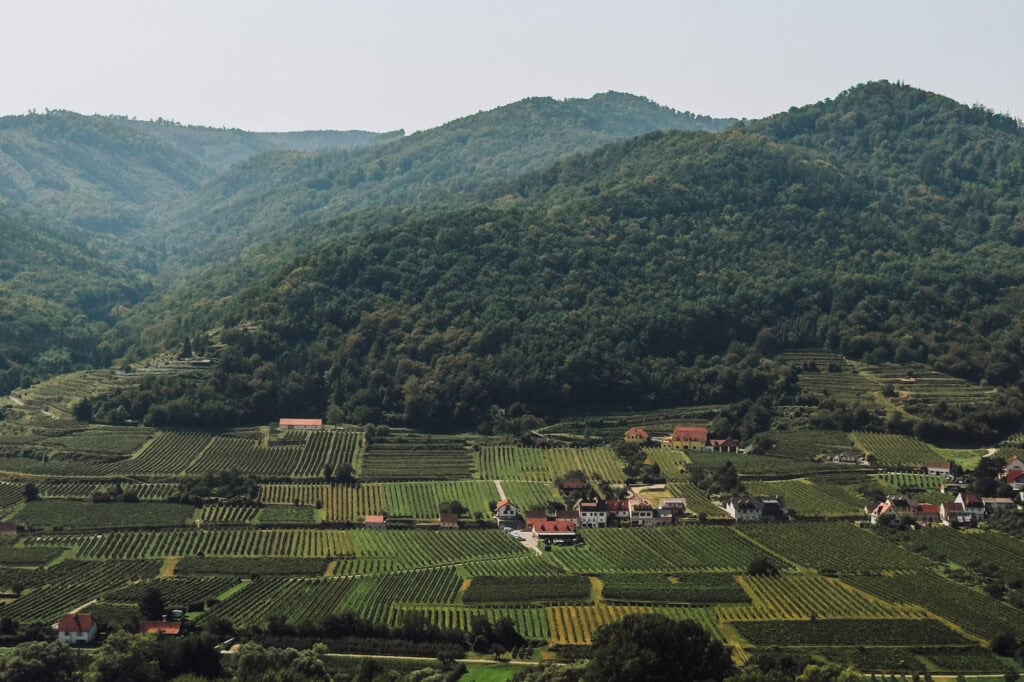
(68, 514)
(809, 498)
(547, 464)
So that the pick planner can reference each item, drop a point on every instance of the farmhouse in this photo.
(686, 437)
(300, 424)
(723, 445)
(507, 515)
(756, 509)
(1014, 464)
(375, 522)
(637, 435)
(927, 513)
(939, 469)
(846, 458)
(953, 514)
(76, 628)
(555, 532)
(617, 509)
(448, 521)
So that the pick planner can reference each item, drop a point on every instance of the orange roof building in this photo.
(301, 424)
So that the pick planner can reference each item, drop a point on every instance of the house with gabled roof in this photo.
(76, 628)
(1015, 463)
(687, 437)
(637, 435)
(997, 504)
(375, 522)
(592, 513)
(554, 532)
(448, 521)
(972, 504)
(748, 509)
(953, 514)
(1015, 479)
(507, 515)
(723, 445)
(939, 469)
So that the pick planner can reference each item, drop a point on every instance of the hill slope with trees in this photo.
(661, 270)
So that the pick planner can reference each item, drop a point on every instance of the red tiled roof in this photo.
(76, 622)
(690, 433)
(1013, 476)
(725, 442)
(502, 504)
(301, 422)
(930, 509)
(160, 627)
(375, 518)
(555, 527)
(938, 465)
(637, 432)
(617, 505)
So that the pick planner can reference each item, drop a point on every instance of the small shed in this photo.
(448, 521)
(375, 522)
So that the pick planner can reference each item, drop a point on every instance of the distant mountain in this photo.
(277, 196)
(656, 271)
(105, 173)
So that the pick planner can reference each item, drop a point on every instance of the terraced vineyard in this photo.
(247, 457)
(923, 386)
(63, 514)
(169, 454)
(418, 500)
(409, 458)
(845, 385)
(546, 464)
(297, 599)
(696, 588)
(895, 451)
(373, 597)
(109, 441)
(809, 444)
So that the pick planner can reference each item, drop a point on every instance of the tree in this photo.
(151, 604)
(186, 348)
(653, 647)
(125, 656)
(763, 566)
(31, 492)
(39, 662)
(453, 507)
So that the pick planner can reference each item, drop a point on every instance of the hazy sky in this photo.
(381, 65)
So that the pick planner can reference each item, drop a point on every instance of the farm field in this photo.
(417, 500)
(809, 498)
(576, 625)
(527, 589)
(546, 464)
(860, 632)
(695, 588)
(758, 465)
(809, 597)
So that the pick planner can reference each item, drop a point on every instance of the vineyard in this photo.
(922, 386)
(695, 588)
(530, 622)
(546, 464)
(107, 441)
(860, 632)
(808, 444)
(844, 385)
(297, 599)
(176, 592)
(895, 451)
(838, 548)
(666, 550)
(527, 589)
(410, 458)
(803, 597)
(576, 625)
(807, 498)
(244, 567)
(169, 454)
(71, 514)
(351, 503)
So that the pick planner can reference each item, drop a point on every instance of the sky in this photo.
(384, 65)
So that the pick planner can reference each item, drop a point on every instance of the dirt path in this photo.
(530, 542)
(17, 401)
(501, 491)
(990, 452)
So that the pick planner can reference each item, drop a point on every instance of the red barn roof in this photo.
(690, 433)
(502, 505)
(76, 622)
(301, 422)
(160, 627)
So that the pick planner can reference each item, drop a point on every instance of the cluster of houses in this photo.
(750, 509)
(686, 438)
(562, 526)
(966, 511)
(76, 629)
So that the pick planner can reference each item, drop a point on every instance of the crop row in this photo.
(392, 462)
(245, 567)
(576, 625)
(698, 588)
(801, 597)
(547, 464)
(169, 454)
(811, 498)
(530, 622)
(228, 514)
(297, 599)
(487, 589)
(891, 450)
(836, 547)
(190, 542)
(177, 593)
(861, 632)
(417, 548)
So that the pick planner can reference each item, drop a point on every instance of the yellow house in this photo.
(687, 437)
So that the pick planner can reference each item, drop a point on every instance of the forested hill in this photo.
(106, 173)
(60, 290)
(272, 197)
(654, 271)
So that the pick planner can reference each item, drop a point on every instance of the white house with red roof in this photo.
(507, 515)
(554, 532)
(76, 628)
(939, 469)
(972, 504)
(1014, 464)
(1015, 479)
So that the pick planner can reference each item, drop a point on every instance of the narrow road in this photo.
(17, 401)
(501, 491)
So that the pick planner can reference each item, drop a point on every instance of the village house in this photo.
(507, 515)
(571, 486)
(972, 504)
(746, 509)
(375, 522)
(1014, 464)
(300, 424)
(617, 509)
(637, 435)
(939, 469)
(448, 521)
(997, 504)
(554, 532)
(953, 514)
(1015, 479)
(723, 445)
(76, 628)
(592, 513)
(927, 513)
(687, 438)
(641, 513)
